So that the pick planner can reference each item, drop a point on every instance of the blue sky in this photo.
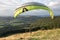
(7, 7)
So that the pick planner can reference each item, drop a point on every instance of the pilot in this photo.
(24, 9)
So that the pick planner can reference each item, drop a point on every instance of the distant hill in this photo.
(8, 24)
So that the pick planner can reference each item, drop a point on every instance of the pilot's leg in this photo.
(26, 9)
(23, 10)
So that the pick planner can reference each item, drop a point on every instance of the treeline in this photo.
(46, 23)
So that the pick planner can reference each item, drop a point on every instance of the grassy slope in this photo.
(53, 34)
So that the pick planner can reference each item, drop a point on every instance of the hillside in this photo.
(43, 28)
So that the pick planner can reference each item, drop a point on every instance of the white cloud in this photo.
(51, 4)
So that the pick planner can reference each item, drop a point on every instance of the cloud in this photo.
(6, 12)
(53, 4)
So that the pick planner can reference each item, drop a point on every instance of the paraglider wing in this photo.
(32, 6)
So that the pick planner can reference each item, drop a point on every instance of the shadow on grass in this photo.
(8, 33)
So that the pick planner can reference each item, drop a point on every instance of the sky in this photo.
(7, 7)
